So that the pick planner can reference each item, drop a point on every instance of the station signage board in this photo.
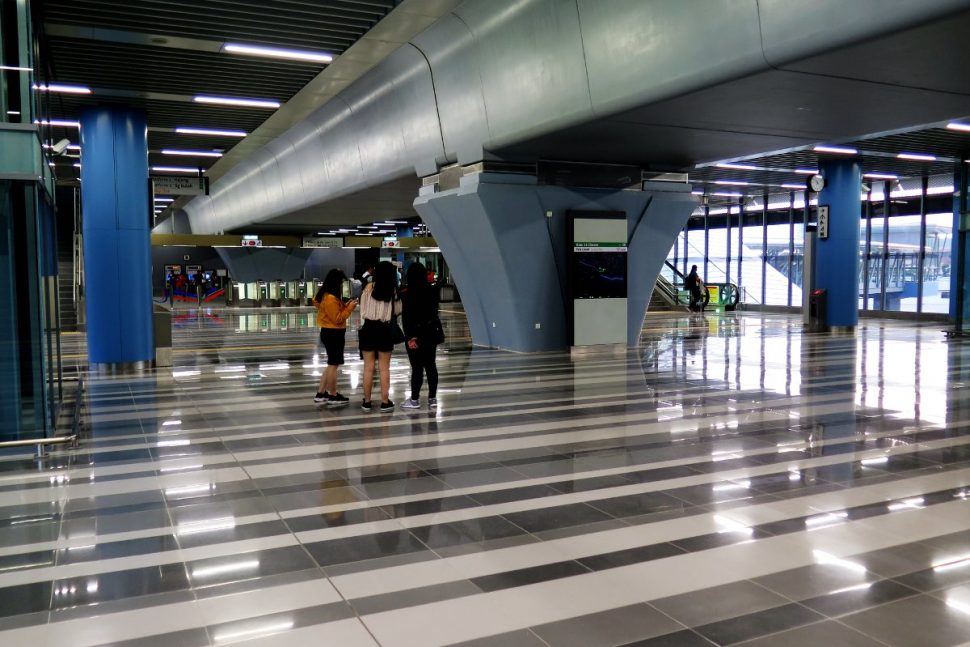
(392, 243)
(251, 241)
(180, 185)
(325, 241)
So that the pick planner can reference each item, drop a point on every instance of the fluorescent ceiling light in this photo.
(60, 87)
(880, 176)
(956, 125)
(58, 122)
(69, 147)
(806, 171)
(277, 52)
(76, 165)
(209, 131)
(165, 200)
(730, 182)
(236, 101)
(792, 186)
(727, 194)
(918, 157)
(740, 167)
(835, 149)
(367, 227)
(13, 112)
(175, 151)
(14, 68)
(175, 169)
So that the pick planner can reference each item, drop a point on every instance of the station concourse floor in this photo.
(731, 481)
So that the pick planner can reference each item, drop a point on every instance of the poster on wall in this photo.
(174, 270)
(597, 277)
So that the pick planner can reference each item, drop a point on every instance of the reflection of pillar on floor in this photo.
(117, 250)
(837, 257)
(505, 239)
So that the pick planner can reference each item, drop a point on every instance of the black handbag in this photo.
(397, 335)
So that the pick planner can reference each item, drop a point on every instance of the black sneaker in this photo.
(321, 397)
(387, 406)
(337, 400)
(366, 406)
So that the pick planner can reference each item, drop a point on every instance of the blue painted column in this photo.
(117, 242)
(837, 257)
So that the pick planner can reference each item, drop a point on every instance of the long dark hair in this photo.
(385, 282)
(418, 285)
(332, 284)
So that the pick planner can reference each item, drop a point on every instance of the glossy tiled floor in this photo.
(730, 482)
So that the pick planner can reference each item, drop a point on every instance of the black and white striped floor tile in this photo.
(731, 481)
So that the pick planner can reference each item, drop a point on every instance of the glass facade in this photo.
(30, 357)
(904, 248)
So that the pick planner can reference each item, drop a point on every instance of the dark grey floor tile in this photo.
(331, 519)
(719, 603)
(684, 638)
(639, 504)
(556, 517)
(756, 625)
(524, 576)
(513, 494)
(821, 633)
(471, 531)
(414, 597)
(713, 540)
(246, 566)
(630, 556)
(202, 535)
(607, 628)
(366, 547)
(25, 598)
(813, 581)
(858, 598)
(920, 621)
(118, 585)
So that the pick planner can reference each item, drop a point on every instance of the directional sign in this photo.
(331, 241)
(823, 221)
(180, 185)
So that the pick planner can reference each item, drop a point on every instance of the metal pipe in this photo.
(921, 259)
(868, 254)
(791, 243)
(707, 235)
(884, 274)
(764, 246)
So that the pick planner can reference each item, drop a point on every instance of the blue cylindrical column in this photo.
(837, 257)
(117, 240)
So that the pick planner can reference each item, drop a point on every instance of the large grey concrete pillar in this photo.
(505, 239)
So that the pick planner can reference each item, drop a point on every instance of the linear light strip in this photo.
(277, 52)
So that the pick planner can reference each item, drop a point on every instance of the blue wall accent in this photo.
(117, 245)
(509, 259)
(9, 339)
(837, 257)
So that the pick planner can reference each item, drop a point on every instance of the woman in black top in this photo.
(422, 334)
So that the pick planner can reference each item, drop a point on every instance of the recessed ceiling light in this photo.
(14, 68)
(60, 87)
(918, 157)
(160, 199)
(840, 150)
(793, 186)
(174, 151)
(278, 52)
(175, 169)
(740, 167)
(880, 176)
(956, 125)
(732, 182)
(236, 101)
(807, 171)
(58, 122)
(209, 131)
(728, 194)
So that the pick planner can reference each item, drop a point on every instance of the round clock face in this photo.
(816, 183)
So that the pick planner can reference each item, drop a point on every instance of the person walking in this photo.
(693, 284)
(379, 307)
(422, 332)
(332, 315)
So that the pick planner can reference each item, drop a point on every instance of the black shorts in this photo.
(375, 336)
(333, 340)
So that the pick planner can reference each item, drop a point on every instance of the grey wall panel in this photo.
(794, 30)
(637, 52)
(530, 56)
(248, 265)
(448, 44)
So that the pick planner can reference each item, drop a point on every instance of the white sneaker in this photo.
(411, 404)
(432, 403)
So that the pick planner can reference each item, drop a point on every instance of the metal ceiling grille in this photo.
(144, 55)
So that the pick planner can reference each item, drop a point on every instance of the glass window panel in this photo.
(936, 270)
(749, 281)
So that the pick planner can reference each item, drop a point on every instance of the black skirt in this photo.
(333, 340)
(375, 336)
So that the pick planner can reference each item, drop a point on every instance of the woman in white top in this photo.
(379, 304)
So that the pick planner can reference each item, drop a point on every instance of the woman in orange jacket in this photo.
(332, 315)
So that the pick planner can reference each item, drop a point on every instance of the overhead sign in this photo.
(180, 185)
(390, 242)
(251, 241)
(329, 241)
